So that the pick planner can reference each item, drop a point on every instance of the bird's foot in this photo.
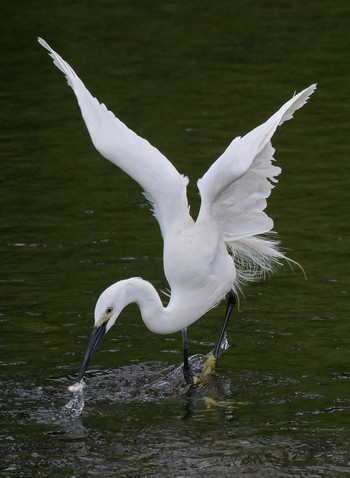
(209, 368)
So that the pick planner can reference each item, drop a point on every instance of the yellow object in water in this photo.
(211, 402)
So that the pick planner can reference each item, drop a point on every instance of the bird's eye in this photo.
(109, 310)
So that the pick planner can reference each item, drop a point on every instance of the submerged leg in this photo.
(188, 374)
(212, 361)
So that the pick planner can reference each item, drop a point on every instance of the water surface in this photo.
(188, 77)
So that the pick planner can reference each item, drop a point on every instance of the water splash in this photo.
(224, 343)
(143, 382)
(73, 409)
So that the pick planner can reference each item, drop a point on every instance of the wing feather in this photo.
(164, 187)
(235, 188)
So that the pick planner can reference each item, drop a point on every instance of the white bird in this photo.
(206, 259)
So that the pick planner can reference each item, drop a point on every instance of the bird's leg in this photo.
(231, 302)
(212, 361)
(188, 374)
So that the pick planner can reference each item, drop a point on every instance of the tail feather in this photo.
(254, 257)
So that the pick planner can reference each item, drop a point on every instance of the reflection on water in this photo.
(143, 417)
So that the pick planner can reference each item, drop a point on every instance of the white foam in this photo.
(77, 387)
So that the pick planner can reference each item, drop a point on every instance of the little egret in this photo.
(206, 259)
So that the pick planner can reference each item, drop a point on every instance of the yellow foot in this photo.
(210, 366)
(208, 369)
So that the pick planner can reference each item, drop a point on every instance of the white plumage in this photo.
(206, 258)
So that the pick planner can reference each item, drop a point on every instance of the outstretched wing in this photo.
(235, 188)
(164, 187)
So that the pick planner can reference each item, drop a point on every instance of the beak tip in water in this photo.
(77, 387)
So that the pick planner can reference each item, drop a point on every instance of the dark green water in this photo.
(188, 76)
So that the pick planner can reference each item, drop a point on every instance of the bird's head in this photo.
(108, 307)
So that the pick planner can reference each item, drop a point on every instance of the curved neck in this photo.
(157, 318)
(146, 297)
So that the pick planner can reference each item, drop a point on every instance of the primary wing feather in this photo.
(234, 192)
(164, 187)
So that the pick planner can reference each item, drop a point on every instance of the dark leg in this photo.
(211, 363)
(231, 302)
(188, 374)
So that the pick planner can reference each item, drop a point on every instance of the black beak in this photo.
(96, 336)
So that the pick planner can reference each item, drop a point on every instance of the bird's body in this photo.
(191, 296)
(203, 259)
